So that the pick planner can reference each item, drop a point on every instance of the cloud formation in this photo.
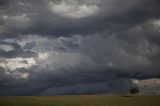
(79, 46)
(76, 17)
(72, 9)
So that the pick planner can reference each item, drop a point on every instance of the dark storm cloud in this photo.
(143, 40)
(6, 81)
(3, 3)
(39, 19)
(79, 82)
(88, 64)
(92, 88)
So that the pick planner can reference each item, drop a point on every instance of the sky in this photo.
(67, 47)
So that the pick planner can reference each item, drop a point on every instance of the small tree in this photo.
(134, 90)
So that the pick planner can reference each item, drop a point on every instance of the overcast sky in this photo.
(55, 47)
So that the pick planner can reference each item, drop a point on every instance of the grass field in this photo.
(80, 100)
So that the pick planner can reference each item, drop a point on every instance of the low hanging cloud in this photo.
(79, 46)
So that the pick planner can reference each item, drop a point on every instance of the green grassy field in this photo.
(80, 100)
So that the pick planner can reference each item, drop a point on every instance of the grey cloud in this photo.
(101, 60)
(18, 53)
(142, 40)
(92, 54)
(14, 45)
(79, 82)
(40, 20)
(3, 2)
(92, 88)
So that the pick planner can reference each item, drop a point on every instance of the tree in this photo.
(134, 90)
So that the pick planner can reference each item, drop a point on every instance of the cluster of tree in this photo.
(134, 90)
